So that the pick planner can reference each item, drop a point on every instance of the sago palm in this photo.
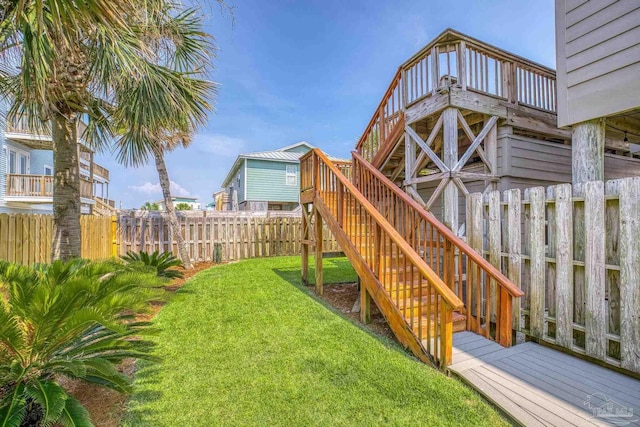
(73, 320)
(63, 60)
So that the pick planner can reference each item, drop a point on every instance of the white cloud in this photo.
(220, 145)
(152, 189)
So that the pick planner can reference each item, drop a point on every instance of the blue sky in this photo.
(315, 70)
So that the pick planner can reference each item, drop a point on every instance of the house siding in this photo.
(525, 162)
(238, 185)
(266, 181)
(598, 58)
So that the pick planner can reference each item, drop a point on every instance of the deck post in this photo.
(587, 151)
(450, 158)
(305, 246)
(365, 304)
(318, 253)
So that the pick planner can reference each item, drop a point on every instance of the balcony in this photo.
(455, 68)
(38, 188)
(39, 139)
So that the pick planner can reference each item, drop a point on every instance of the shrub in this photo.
(75, 320)
(163, 263)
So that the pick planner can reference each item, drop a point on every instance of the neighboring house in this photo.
(220, 200)
(191, 201)
(26, 173)
(598, 61)
(266, 180)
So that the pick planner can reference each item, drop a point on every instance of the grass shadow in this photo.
(337, 271)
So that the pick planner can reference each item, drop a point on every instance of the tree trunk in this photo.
(66, 189)
(174, 225)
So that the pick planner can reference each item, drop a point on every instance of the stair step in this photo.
(459, 324)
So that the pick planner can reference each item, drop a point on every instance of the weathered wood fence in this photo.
(576, 254)
(26, 238)
(227, 235)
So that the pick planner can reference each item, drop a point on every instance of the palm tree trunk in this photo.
(174, 226)
(66, 189)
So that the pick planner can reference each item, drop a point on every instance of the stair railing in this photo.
(399, 269)
(487, 293)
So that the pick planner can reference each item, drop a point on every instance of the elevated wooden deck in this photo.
(538, 386)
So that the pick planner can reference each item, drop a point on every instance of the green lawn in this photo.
(243, 344)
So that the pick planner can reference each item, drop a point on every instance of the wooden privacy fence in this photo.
(26, 238)
(576, 254)
(227, 236)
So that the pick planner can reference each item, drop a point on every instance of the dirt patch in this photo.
(343, 297)
(106, 407)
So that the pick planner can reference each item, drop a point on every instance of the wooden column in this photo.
(318, 265)
(587, 151)
(409, 159)
(365, 304)
(450, 157)
(305, 246)
(491, 150)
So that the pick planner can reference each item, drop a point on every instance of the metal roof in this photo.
(276, 156)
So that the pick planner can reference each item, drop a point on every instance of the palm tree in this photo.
(150, 206)
(103, 61)
(134, 148)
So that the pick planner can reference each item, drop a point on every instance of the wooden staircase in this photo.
(410, 265)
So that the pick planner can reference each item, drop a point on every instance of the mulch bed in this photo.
(343, 297)
(106, 406)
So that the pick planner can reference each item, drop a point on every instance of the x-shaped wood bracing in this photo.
(448, 174)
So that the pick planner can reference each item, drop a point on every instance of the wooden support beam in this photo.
(418, 164)
(396, 172)
(491, 150)
(433, 156)
(409, 155)
(365, 305)
(427, 178)
(476, 143)
(587, 151)
(305, 246)
(437, 192)
(450, 157)
(318, 253)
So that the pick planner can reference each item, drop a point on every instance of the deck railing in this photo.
(464, 63)
(22, 185)
(384, 120)
(400, 270)
(487, 293)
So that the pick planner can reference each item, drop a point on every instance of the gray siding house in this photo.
(598, 58)
(267, 180)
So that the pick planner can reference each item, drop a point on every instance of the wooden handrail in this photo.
(447, 294)
(395, 83)
(495, 274)
(489, 294)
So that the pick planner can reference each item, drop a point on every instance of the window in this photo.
(291, 175)
(18, 162)
(48, 170)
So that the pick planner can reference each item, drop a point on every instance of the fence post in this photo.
(629, 262)
(495, 239)
(537, 277)
(595, 319)
(514, 248)
(564, 265)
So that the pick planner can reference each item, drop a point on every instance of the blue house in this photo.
(26, 172)
(266, 180)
